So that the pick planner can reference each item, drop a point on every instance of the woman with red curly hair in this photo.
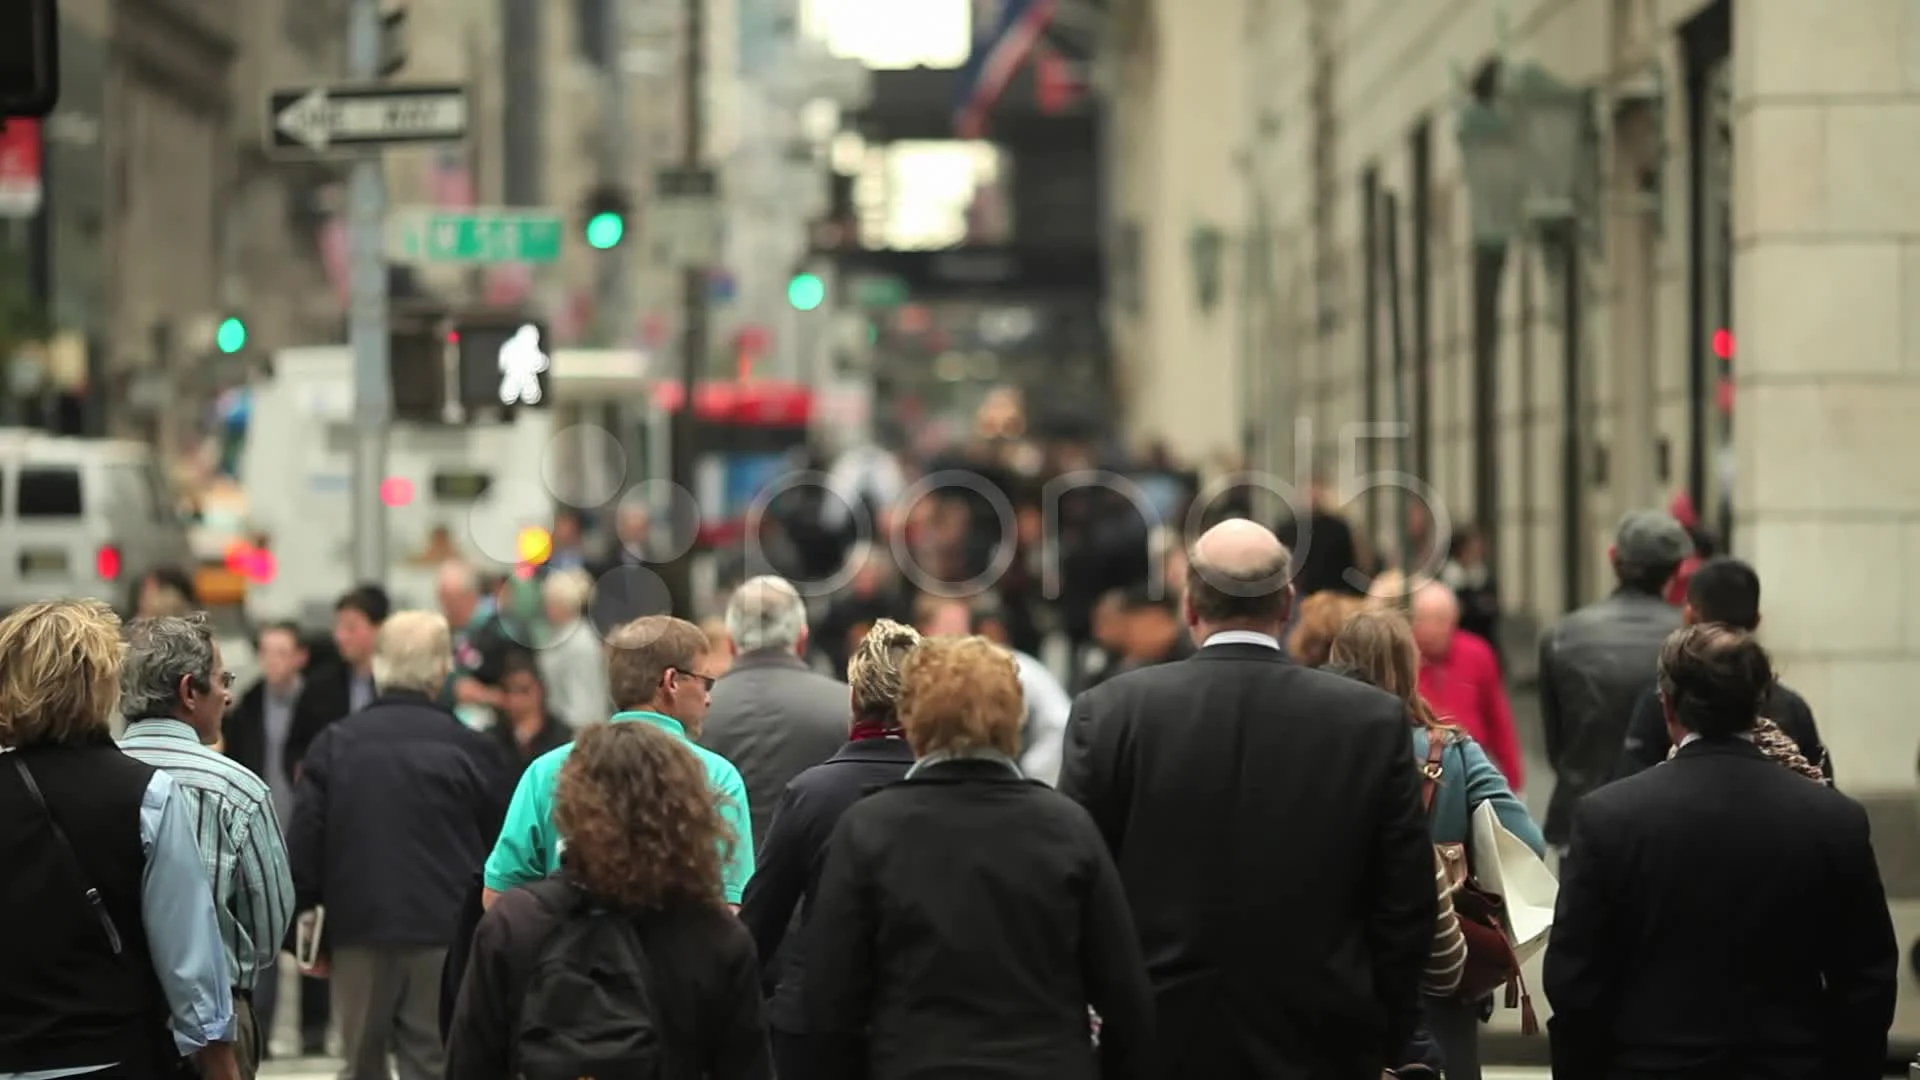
(629, 959)
(967, 917)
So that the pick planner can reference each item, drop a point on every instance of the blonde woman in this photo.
(967, 917)
(94, 987)
(875, 755)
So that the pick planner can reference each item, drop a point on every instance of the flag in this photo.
(1059, 83)
(451, 183)
(1004, 34)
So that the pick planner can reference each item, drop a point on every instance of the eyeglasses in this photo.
(226, 680)
(705, 680)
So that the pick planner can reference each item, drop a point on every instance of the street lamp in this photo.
(1494, 171)
(1552, 120)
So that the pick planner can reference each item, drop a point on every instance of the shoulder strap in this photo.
(94, 899)
(1431, 771)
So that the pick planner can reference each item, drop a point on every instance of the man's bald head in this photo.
(1435, 616)
(1237, 578)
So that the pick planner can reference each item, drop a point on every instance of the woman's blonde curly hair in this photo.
(960, 695)
(641, 827)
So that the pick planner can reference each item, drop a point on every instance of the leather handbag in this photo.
(1491, 962)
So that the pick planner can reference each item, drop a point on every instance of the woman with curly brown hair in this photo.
(967, 917)
(628, 962)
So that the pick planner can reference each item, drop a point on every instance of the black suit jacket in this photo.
(1266, 821)
(1680, 945)
(323, 699)
(780, 894)
(1648, 742)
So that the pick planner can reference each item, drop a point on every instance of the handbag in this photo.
(1491, 961)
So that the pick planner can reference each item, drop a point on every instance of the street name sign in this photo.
(316, 120)
(424, 234)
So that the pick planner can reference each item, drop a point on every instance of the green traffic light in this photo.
(605, 230)
(806, 292)
(231, 337)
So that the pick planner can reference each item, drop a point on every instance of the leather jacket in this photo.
(1594, 665)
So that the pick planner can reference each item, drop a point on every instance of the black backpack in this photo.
(589, 1011)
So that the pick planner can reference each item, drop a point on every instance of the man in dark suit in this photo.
(1267, 825)
(1725, 591)
(1680, 945)
(268, 732)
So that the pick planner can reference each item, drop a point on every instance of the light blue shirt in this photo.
(183, 931)
(1048, 706)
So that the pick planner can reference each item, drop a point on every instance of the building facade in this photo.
(1730, 168)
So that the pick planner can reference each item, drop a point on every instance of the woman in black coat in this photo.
(788, 869)
(968, 918)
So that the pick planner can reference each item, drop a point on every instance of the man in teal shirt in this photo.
(656, 673)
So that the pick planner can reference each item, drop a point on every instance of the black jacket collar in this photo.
(875, 751)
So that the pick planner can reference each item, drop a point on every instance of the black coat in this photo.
(787, 875)
(965, 921)
(1680, 945)
(1647, 741)
(396, 807)
(1266, 821)
(323, 699)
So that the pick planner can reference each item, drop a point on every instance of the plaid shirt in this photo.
(240, 841)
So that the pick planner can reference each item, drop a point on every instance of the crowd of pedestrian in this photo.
(1261, 840)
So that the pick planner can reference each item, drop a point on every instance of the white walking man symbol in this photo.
(521, 362)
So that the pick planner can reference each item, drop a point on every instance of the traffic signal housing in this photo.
(604, 215)
(29, 58)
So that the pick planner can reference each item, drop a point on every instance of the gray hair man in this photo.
(772, 715)
(174, 690)
(397, 805)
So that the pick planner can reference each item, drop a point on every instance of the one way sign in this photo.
(320, 119)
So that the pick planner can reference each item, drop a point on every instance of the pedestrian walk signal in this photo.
(231, 337)
(806, 292)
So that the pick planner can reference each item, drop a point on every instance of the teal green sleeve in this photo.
(731, 792)
(1486, 783)
(525, 851)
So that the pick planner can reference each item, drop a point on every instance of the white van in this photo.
(83, 518)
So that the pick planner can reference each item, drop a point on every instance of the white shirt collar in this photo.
(1694, 737)
(1243, 637)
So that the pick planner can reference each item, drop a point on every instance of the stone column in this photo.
(1827, 412)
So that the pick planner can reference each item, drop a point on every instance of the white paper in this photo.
(1507, 867)
(308, 928)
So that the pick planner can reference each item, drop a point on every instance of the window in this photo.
(47, 493)
(1420, 153)
(461, 486)
(590, 25)
(1370, 380)
(130, 492)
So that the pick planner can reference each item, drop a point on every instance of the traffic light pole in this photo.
(615, 305)
(693, 331)
(367, 330)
